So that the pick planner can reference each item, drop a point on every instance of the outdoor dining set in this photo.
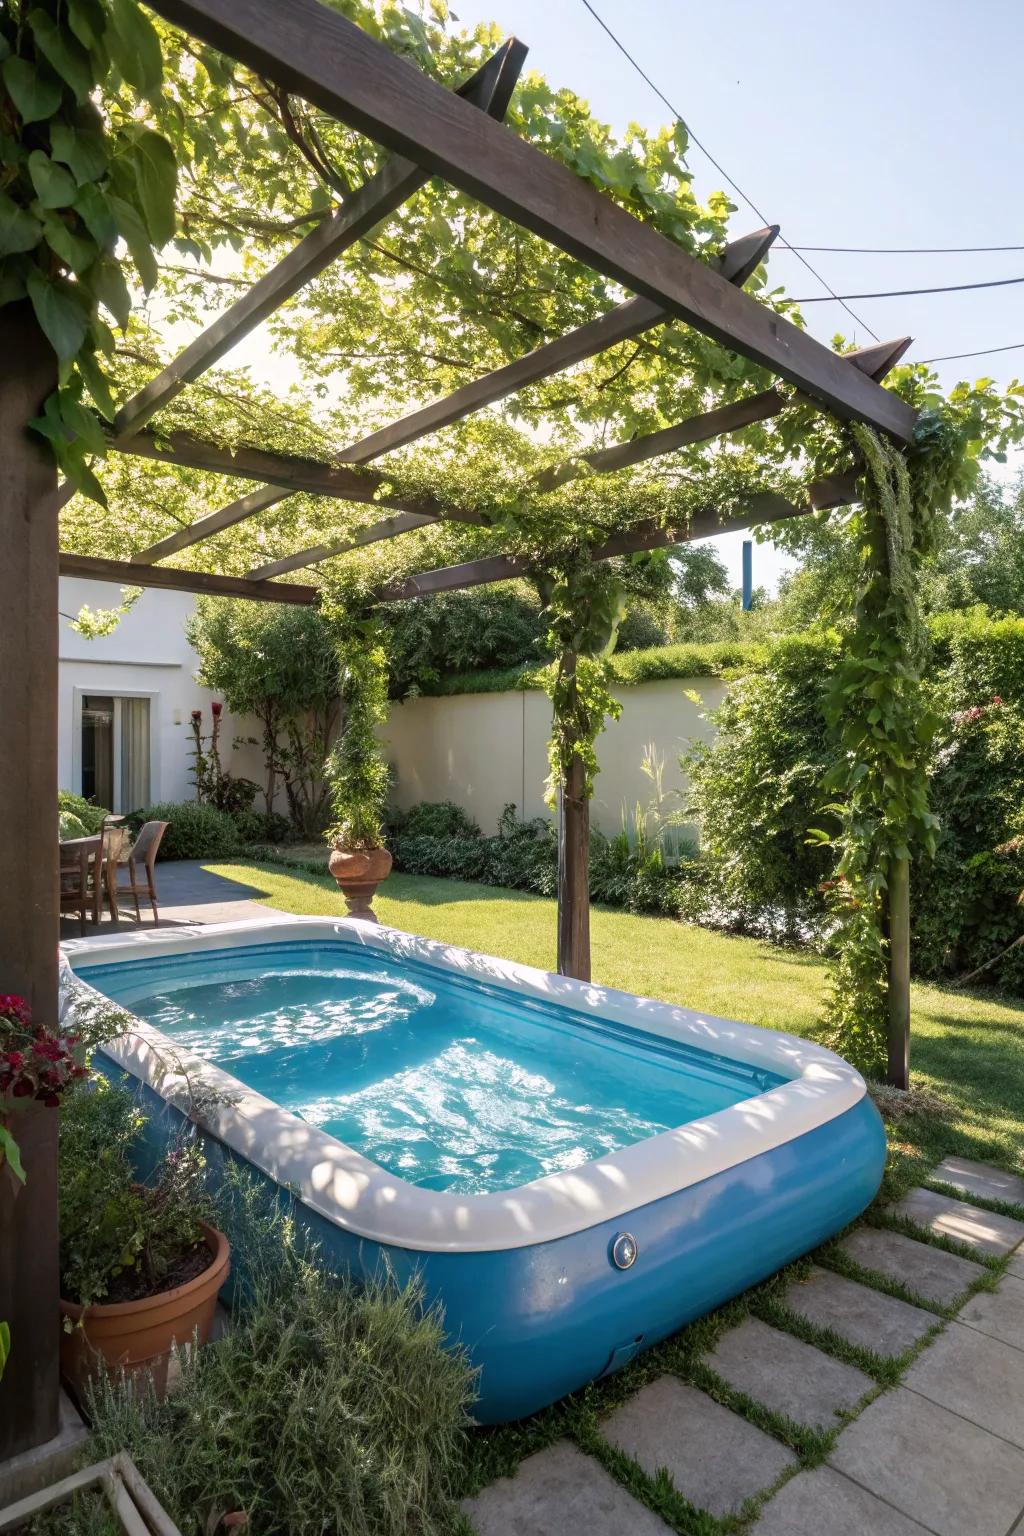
(107, 865)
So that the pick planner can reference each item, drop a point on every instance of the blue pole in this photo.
(748, 574)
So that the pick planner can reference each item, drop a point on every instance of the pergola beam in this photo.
(489, 89)
(321, 56)
(387, 528)
(95, 568)
(739, 259)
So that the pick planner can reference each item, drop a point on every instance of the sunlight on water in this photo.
(448, 1082)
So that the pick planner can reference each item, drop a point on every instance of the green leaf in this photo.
(136, 238)
(5, 1346)
(75, 252)
(106, 283)
(64, 52)
(11, 1153)
(156, 172)
(60, 313)
(95, 212)
(88, 22)
(19, 229)
(96, 382)
(135, 47)
(81, 422)
(55, 186)
(12, 280)
(36, 95)
(83, 151)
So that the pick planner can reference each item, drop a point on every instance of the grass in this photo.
(967, 1048)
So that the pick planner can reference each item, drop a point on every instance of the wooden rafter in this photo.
(489, 89)
(320, 55)
(739, 260)
(94, 568)
(387, 528)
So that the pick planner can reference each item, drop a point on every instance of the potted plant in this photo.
(358, 776)
(141, 1263)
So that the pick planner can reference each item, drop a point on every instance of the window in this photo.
(116, 751)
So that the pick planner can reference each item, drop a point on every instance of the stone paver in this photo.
(1016, 1264)
(934, 1274)
(785, 1374)
(954, 1478)
(714, 1458)
(983, 1230)
(559, 1492)
(1000, 1314)
(975, 1376)
(824, 1503)
(980, 1179)
(857, 1313)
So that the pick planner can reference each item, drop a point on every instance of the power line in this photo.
(907, 250)
(906, 293)
(953, 357)
(720, 168)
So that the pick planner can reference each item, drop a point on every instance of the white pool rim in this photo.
(362, 1198)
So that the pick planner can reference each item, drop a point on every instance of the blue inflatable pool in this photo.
(574, 1172)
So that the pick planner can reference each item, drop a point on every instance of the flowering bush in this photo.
(34, 1064)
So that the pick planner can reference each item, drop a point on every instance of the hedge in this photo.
(629, 668)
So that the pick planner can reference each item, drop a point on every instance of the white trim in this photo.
(361, 1197)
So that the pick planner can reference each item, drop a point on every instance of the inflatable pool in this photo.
(574, 1172)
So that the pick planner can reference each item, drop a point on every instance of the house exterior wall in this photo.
(148, 655)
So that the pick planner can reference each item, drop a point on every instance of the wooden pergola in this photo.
(318, 55)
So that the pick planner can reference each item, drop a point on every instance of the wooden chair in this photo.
(80, 876)
(142, 852)
(114, 836)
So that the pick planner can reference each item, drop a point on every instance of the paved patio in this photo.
(186, 893)
(941, 1452)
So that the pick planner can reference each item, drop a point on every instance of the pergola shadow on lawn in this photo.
(318, 55)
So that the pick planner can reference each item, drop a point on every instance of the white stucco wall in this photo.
(483, 750)
(148, 655)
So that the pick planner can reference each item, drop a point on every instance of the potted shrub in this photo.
(141, 1263)
(358, 776)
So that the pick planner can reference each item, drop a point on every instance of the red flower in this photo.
(216, 708)
(197, 714)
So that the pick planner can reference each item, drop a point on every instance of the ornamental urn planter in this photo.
(138, 1336)
(358, 873)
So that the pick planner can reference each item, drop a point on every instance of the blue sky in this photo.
(848, 122)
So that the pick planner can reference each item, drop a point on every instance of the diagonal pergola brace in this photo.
(387, 528)
(320, 55)
(740, 258)
(489, 89)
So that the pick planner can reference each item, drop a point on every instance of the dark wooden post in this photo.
(29, 929)
(898, 1073)
(574, 867)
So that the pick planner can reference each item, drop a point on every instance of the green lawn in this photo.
(967, 1047)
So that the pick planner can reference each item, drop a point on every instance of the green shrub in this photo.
(262, 826)
(90, 817)
(120, 1240)
(196, 831)
(326, 1408)
(628, 668)
(437, 818)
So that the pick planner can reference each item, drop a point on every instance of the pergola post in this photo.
(573, 863)
(29, 926)
(898, 1067)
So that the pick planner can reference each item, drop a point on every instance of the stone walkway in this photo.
(940, 1453)
(186, 893)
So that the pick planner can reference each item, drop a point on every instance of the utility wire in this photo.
(906, 293)
(907, 250)
(953, 357)
(720, 168)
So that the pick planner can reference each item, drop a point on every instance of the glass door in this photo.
(116, 751)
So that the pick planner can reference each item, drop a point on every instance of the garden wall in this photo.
(484, 750)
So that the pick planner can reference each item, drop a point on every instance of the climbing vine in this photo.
(356, 770)
(878, 711)
(72, 183)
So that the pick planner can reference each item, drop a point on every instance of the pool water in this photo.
(446, 1081)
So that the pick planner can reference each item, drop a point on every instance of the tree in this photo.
(279, 664)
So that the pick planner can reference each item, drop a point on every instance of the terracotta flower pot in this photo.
(137, 1335)
(358, 875)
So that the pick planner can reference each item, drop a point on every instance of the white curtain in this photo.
(134, 754)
